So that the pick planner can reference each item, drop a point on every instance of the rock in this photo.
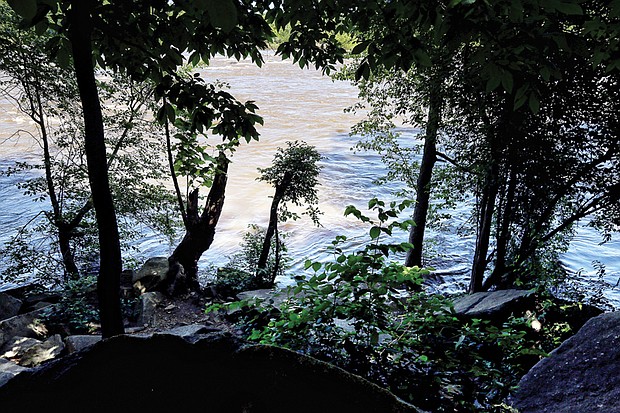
(490, 304)
(23, 325)
(79, 342)
(42, 352)
(579, 376)
(32, 302)
(191, 330)
(152, 274)
(9, 306)
(16, 347)
(8, 370)
(213, 372)
(268, 296)
(148, 302)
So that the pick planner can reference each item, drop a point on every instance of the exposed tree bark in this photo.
(110, 267)
(182, 276)
(423, 184)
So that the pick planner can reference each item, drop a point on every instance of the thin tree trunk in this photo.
(423, 184)
(182, 276)
(110, 267)
(485, 221)
(503, 236)
(261, 267)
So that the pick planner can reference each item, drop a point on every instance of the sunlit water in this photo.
(300, 105)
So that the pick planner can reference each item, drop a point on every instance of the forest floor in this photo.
(174, 312)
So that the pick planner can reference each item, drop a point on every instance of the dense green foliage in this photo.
(367, 314)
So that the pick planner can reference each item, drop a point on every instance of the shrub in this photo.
(370, 316)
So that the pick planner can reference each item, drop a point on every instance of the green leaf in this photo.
(223, 14)
(374, 232)
(316, 266)
(360, 47)
(25, 8)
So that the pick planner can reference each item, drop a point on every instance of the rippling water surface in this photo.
(300, 105)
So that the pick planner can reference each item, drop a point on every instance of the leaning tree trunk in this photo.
(423, 184)
(110, 267)
(182, 276)
(261, 266)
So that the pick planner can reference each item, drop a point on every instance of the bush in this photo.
(239, 274)
(77, 312)
(370, 316)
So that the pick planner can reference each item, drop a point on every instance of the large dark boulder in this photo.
(582, 375)
(211, 373)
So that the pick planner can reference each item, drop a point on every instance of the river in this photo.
(303, 105)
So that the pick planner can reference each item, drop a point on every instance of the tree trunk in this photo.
(261, 267)
(110, 267)
(503, 237)
(485, 221)
(182, 276)
(423, 184)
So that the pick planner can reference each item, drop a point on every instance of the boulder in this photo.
(42, 352)
(23, 325)
(151, 275)
(148, 303)
(491, 304)
(8, 370)
(213, 372)
(79, 342)
(15, 347)
(579, 376)
(9, 306)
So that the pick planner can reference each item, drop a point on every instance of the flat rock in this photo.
(582, 375)
(489, 304)
(191, 330)
(214, 372)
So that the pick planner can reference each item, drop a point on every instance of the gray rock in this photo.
(151, 275)
(215, 372)
(148, 302)
(489, 304)
(79, 342)
(191, 330)
(9, 306)
(266, 295)
(23, 325)
(16, 347)
(579, 376)
(42, 352)
(8, 370)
